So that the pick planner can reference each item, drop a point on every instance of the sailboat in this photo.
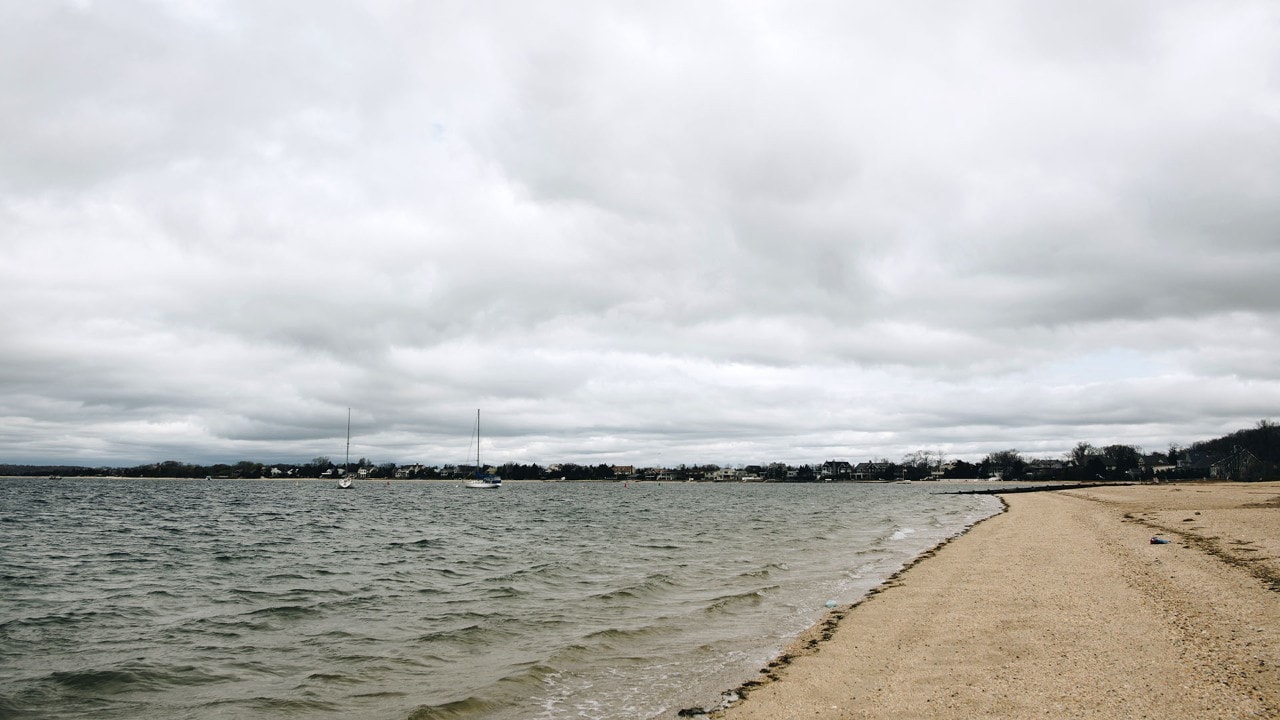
(482, 480)
(344, 482)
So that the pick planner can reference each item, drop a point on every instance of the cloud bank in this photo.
(650, 234)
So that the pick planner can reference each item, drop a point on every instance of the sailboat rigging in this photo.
(482, 480)
(344, 482)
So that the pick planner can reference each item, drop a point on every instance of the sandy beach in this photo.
(1060, 607)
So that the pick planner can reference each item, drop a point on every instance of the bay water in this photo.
(126, 598)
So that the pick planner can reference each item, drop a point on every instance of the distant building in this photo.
(1235, 466)
(1156, 463)
(1045, 469)
(872, 471)
(836, 471)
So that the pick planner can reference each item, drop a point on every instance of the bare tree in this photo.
(1081, 454)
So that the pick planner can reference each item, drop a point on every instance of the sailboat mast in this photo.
(482, 479)
(346, 463)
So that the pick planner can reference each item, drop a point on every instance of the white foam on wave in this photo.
(902, 533)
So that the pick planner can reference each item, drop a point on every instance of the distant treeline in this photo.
(1262, 441)
(318, 468)
(1251, 454)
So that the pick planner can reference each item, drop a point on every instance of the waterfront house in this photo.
(836, 471)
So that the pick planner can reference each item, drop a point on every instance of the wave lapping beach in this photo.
(1062, 607)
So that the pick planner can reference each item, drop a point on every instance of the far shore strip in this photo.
(1060, 607)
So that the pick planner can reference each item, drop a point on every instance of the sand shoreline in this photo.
(1059, 606)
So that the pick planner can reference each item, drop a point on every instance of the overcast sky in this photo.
(634, 232)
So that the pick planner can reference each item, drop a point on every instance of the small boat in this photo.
(482, 480)
(344, 482)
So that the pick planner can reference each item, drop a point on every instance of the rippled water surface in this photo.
(232, 599)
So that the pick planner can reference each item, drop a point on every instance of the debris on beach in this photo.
(1157, 540)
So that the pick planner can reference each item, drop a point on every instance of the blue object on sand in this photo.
(1159, 541)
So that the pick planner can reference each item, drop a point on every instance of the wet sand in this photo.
(1061, 607)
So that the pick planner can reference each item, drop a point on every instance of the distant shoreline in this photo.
(999, 486)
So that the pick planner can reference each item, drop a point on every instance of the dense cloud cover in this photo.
(648, 233)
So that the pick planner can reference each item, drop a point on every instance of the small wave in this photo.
(286, 612)
(728, 602)
(457, 710)
(286, 576)
(8, 578)
(331, 678)
(763, 572)
(279, 706)
(645, 589)
(423, 543)
(612, 635)
(67, 618)
(223, 628)
(902, 533)
(463, 634)
(336, 636)
(503, 592)
(534, 571)
(98, 682)
(109, 681)
(381, 694)
(258, 667)
(490, 561)
(245, 594)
